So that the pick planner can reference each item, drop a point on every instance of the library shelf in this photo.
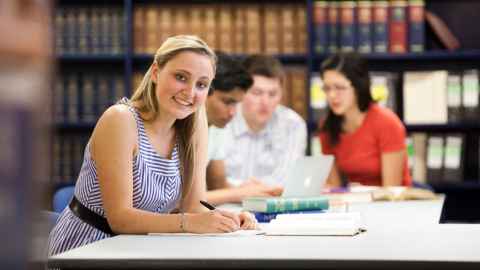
(73, 127)
(91, 58)
(450, 127)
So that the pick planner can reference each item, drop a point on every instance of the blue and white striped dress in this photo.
(156, 188)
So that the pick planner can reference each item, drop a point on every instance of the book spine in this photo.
(320, 26)
(296, 204)
(288, 28)
(138, 29)
(298, 94)
(454, 97)
(471, 91)
(333, 27)
(380, 26)
(453, 158)
(301, 29)
(224, 29)
(364, 27)
(59, 31)
(347, 26)
(151, 24)
(210, 19)
(398, 27)
(416, 26)
(239, 28)
(435, 155)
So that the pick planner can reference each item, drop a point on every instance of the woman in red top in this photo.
(368, 141)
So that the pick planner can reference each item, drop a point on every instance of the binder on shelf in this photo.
(435, 157)
(470, 93)
(454, 97)
(419, 170)
(453, 161)
(425, 97)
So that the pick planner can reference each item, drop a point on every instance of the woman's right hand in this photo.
(215, 221)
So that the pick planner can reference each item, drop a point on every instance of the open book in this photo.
(358, 194)
(334, 224)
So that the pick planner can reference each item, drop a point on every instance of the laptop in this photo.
(307, 176)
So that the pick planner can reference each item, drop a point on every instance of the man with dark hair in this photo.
(227, 90)
(264, 138)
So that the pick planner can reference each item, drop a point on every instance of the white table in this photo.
(401, 235)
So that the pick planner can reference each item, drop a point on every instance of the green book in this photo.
(283, 204)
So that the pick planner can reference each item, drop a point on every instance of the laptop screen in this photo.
(307, 176)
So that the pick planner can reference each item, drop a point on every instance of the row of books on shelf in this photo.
(83, 96)
(90, 30)
(429, 97)
(234, 28)
(436, 158)
(67, 157)
(369, 26)
(440, 97)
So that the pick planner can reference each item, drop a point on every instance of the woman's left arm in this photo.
(392, 168)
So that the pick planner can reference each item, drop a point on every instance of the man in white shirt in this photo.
(264, 138)
(228, 88)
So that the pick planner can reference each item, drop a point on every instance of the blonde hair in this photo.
(144, 99)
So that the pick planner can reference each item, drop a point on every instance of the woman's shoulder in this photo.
(382, 114)
(118, 112)
(117, 117)
(384, 118)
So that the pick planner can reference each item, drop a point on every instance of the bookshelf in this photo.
(128, 60)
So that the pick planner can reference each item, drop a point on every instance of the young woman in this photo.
(368, 141)
(147, 157)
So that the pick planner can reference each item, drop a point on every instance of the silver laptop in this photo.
(307, 176)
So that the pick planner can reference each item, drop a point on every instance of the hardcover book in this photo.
(283, 204)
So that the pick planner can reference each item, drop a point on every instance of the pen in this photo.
(207, 205)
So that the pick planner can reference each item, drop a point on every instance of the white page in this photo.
(230, 234)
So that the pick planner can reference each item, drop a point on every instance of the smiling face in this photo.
(182, 84)
(340, 94)
(261, 100)
(222, 106)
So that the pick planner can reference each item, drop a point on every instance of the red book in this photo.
(398, 27)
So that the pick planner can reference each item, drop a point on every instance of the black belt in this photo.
(90, 217)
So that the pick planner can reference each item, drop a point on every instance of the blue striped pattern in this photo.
(156, 188)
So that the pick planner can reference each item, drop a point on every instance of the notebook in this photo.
(307, 176)
(324, 224)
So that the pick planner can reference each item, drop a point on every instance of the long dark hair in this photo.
(355, 69)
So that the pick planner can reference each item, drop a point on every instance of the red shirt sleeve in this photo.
(391, 132)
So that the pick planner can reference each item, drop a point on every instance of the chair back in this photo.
(62, 198)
